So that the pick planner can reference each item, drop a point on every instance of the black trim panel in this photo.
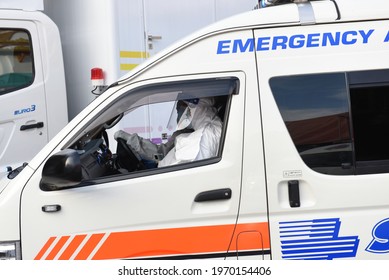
(211, 255)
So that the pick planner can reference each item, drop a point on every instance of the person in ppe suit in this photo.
(197, 136)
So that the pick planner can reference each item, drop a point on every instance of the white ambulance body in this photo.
(302, 166)
(48, 48)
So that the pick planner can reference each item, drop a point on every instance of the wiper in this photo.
(13, 173)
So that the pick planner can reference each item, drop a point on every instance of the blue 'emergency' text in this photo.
(296, 41)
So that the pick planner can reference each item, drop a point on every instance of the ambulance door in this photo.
(324, 104)
(23, 125)
(186, 210)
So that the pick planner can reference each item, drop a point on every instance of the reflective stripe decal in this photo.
(89, 246)
(58, 246)
(45, 248)
(134, 54)
(173, 242)
(130, 57)
(72, 247)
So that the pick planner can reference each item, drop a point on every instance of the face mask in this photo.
(186, 118)
(180, 110)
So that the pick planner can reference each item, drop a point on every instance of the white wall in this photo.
(29, 5)
(89, 37)
(112, 35)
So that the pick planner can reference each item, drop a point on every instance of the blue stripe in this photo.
(316, 239)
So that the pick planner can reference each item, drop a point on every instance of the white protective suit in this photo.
(202, 143)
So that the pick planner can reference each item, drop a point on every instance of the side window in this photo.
(316, 112)
(16, 65)
(369, 95)
(338, 122)
(156, 128)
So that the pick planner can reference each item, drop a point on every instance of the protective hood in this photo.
(204, 113)
(198, 114)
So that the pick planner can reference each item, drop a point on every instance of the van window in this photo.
(16, 64)
(156, 128)
(338, 122)
(369, 96)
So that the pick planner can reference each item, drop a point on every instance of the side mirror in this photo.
(61, 170)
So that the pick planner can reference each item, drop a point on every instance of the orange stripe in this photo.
(57, 247)
(89, 246)
(44, 248)
(175, 241)
(180, 241)
(66, 255)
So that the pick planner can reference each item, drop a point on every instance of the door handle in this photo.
(31, 126)
(153, 37)
(294, 193)
(51, 208)
(219, 194)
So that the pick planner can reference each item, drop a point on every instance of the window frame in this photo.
(233, 89)
(30, 44)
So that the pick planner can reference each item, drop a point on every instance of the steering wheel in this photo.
(127, 157)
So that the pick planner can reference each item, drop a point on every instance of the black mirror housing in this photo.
(61, 170)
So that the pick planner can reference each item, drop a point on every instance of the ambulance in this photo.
(301, 171)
